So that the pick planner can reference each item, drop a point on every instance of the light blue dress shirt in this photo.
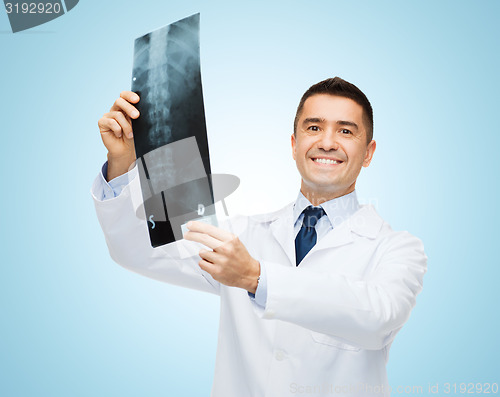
(337, 211)
(114, 187)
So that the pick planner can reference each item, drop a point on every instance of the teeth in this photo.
(326, 161)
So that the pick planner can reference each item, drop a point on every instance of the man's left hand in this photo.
(227, 261)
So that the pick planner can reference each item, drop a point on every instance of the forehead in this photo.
(332, 108)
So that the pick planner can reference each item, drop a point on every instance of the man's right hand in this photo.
(116, 133)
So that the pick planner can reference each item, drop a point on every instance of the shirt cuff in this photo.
(114, 187)
(260, 296)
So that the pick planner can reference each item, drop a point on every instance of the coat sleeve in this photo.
(367, 313)
(127, 238)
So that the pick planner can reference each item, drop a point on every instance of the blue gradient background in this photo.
(73, 323)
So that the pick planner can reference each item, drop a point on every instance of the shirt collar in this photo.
(338, 209)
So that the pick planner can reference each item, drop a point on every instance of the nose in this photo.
(328, 141)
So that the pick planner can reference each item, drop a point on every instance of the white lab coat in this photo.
(328, 324)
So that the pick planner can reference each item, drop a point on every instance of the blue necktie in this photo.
(306, 237)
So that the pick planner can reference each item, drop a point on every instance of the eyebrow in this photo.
(321, 120)
(349, 123)
(313, 120)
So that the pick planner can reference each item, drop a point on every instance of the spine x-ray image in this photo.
(170, 134)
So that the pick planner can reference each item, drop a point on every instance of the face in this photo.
(330, 147)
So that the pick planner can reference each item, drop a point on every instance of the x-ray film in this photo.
(170, 134)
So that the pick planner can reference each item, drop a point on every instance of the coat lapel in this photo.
(336, 237)
(365, 222)
(282, 230)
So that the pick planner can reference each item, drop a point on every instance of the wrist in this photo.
(118, 166)
(254, 278)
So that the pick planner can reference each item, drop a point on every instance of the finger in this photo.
(125, 125)
(126, 107)
(211, 230)
(211, 256)
(204, 239)
(107, 125)
(130, 96)
(208, 267)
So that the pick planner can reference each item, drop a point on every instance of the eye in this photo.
(313, 128)
(345, 131)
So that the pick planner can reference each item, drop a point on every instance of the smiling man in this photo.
(331, 142)
(312, 295)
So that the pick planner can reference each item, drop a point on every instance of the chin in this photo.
(330, 184)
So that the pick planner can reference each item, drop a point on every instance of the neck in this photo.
(316, 197)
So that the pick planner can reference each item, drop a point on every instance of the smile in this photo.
(327, 161)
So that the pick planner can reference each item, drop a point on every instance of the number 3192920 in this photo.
(33, 8)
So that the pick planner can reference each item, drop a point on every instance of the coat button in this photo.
(279, 355)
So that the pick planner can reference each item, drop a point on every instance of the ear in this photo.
(294, 143)
(370, 149)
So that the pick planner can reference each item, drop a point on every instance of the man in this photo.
(312, 295)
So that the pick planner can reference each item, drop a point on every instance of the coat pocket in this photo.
(329, 340)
